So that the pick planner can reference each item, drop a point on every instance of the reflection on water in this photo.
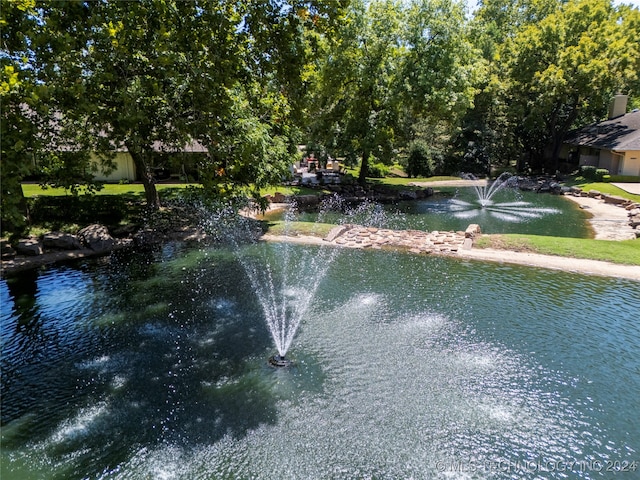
(409, 371)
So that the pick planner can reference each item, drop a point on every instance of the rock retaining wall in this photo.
(416, 241)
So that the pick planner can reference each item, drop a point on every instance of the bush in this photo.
(606, 178)
(82, 209)
(378, 170)
(420, 161)
(600, 173)
(594, 174)
(588, 172)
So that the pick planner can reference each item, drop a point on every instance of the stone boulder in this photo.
(307, 200)
(96, 237)
(30, 247)
(61, 241)
(8, 252)
(472, 230)
(614, 200)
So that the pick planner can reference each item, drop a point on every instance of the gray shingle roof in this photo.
(621, 134)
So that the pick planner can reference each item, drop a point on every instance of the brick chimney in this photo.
(618, 106)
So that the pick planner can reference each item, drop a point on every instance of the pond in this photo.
(510, 211)
(155, 366)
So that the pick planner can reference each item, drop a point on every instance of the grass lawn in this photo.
(314, 229)
(609, 189)
(33, 189)
(626, 252)
(404, 181)
(622, 252)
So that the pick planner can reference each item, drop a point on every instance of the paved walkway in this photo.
(575, 265)
(609, 222)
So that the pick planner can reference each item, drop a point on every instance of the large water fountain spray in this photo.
(285, 281)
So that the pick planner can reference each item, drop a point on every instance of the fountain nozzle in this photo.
(279, 361)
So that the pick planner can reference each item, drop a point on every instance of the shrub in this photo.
(588, 172)
(600, 173)
(606, 178)
(84, 209)
(625, 178)
(420, 161)
(378, 170)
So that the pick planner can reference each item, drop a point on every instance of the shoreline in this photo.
(608, 221)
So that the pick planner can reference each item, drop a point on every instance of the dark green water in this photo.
(406, 367)
(454, 209)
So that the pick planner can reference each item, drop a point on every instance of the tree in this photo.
(356, 104)
(159, 75)
(33, 131)
(441, 72)
(564, 68)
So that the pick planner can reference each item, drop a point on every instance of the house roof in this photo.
(620, 133)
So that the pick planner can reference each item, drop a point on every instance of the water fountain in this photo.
(485, 203)
(486, 192)
(407, 367)
(285, 286)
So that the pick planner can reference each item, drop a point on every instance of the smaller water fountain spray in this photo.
(486, 192)
(485, 204)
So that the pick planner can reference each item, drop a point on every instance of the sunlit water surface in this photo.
(509, 211)
(406, 367)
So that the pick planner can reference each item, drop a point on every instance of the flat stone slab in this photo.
(416, 241)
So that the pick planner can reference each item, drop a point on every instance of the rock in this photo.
(8, 252)
(408, 195)
(96, 237)
(279, 197)
(336, 232)
(614, 199)
(61, 241)
(593, 193)
(472, 230)
(307, 200)
(30, 247)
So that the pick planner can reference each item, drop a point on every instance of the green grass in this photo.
(33, 189)
(314, 229)
(626, 252)
(403, 181)
(291, 190)
(397, 180)
(603, 187)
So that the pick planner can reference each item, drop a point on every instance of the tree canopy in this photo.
(245, 82)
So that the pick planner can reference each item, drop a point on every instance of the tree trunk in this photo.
(364, 167)
(146, 175)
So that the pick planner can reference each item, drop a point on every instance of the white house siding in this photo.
(125, 170)
(631, 163)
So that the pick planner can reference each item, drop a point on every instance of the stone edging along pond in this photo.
(95, 240)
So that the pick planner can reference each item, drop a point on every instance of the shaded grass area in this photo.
(626, 252)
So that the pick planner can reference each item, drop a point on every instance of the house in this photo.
(613, 144)
(178, 163)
